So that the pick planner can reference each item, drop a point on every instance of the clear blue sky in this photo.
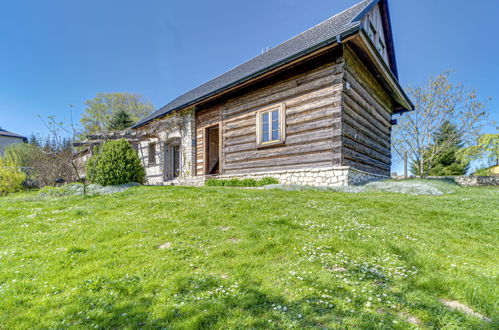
(56, 53)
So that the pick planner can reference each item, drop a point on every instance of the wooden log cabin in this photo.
(315, 110)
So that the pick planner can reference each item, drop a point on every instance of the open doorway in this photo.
(212, 152)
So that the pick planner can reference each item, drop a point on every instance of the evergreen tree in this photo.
(119, 121)
(448, 163)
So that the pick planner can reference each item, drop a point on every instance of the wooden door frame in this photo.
(206, 148)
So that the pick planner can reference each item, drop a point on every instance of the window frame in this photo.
(373, 33)
(381, 47)
(281, 115)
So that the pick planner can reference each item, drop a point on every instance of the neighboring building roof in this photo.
(317, 37)
(10, 134)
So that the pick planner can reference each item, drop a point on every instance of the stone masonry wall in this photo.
(325, 177)
(476, 181)
(155, 173)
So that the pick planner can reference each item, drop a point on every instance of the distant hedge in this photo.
(11, 177)
(116, 163)
(241, 183)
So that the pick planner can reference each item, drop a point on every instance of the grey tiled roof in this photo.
(317, 36)
(10, 134)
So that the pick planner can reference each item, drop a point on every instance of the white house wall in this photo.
(155, 173)
(6, 141)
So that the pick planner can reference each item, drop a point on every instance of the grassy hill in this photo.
(179, 257)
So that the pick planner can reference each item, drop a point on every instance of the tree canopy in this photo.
(100, 110)
(441, 101)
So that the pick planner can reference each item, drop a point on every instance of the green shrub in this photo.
(241, 183)
(214, 182)
(116, 163)
(11, 177)
(266, 181)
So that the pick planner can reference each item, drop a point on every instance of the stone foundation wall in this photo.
(476, 181)
(319, 177)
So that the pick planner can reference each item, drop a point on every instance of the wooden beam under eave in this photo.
(372, 59)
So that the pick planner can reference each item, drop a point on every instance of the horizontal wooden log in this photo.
(281, 161)
(251, 98)
(371, 112)
(255, 101)
(360, 92)
(360, 137)
(291, 141)
(315, 115)
(358, 122)
(350, 123)
(363, 159)
(328, 103)
(355, 67)
(326, 92)
(365, 168)
(328, 122)
(366, 116)
(267, 153)
(303, 137)
(239, 140)
(370, 152)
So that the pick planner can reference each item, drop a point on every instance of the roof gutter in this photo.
(336, 39)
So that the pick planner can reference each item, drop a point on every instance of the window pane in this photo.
(275, 115)
(275, 135)
(265, 128)
(265, 118)
(275, 125)
(265, 136)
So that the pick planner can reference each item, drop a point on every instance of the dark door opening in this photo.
(172, 161)
(212, 155)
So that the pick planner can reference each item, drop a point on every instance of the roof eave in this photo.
(355, 28)
(405, 103)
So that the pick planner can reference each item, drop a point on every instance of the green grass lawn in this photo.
(179, 257)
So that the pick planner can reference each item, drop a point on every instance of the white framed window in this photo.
(270, 123)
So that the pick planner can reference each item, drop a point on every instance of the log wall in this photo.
(366, 116)
(312, 102)
(337, 114)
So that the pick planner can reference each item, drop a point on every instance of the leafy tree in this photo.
(439, 102)
(117, 163)
(100, 110)
(448, 163)
(120, 121)
(486, 147)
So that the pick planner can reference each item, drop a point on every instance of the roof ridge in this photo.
(322, 23)
(281, 43)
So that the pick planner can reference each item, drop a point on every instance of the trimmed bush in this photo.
(116, 163)
(11, 177)
(241, 183)
(267, 181)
